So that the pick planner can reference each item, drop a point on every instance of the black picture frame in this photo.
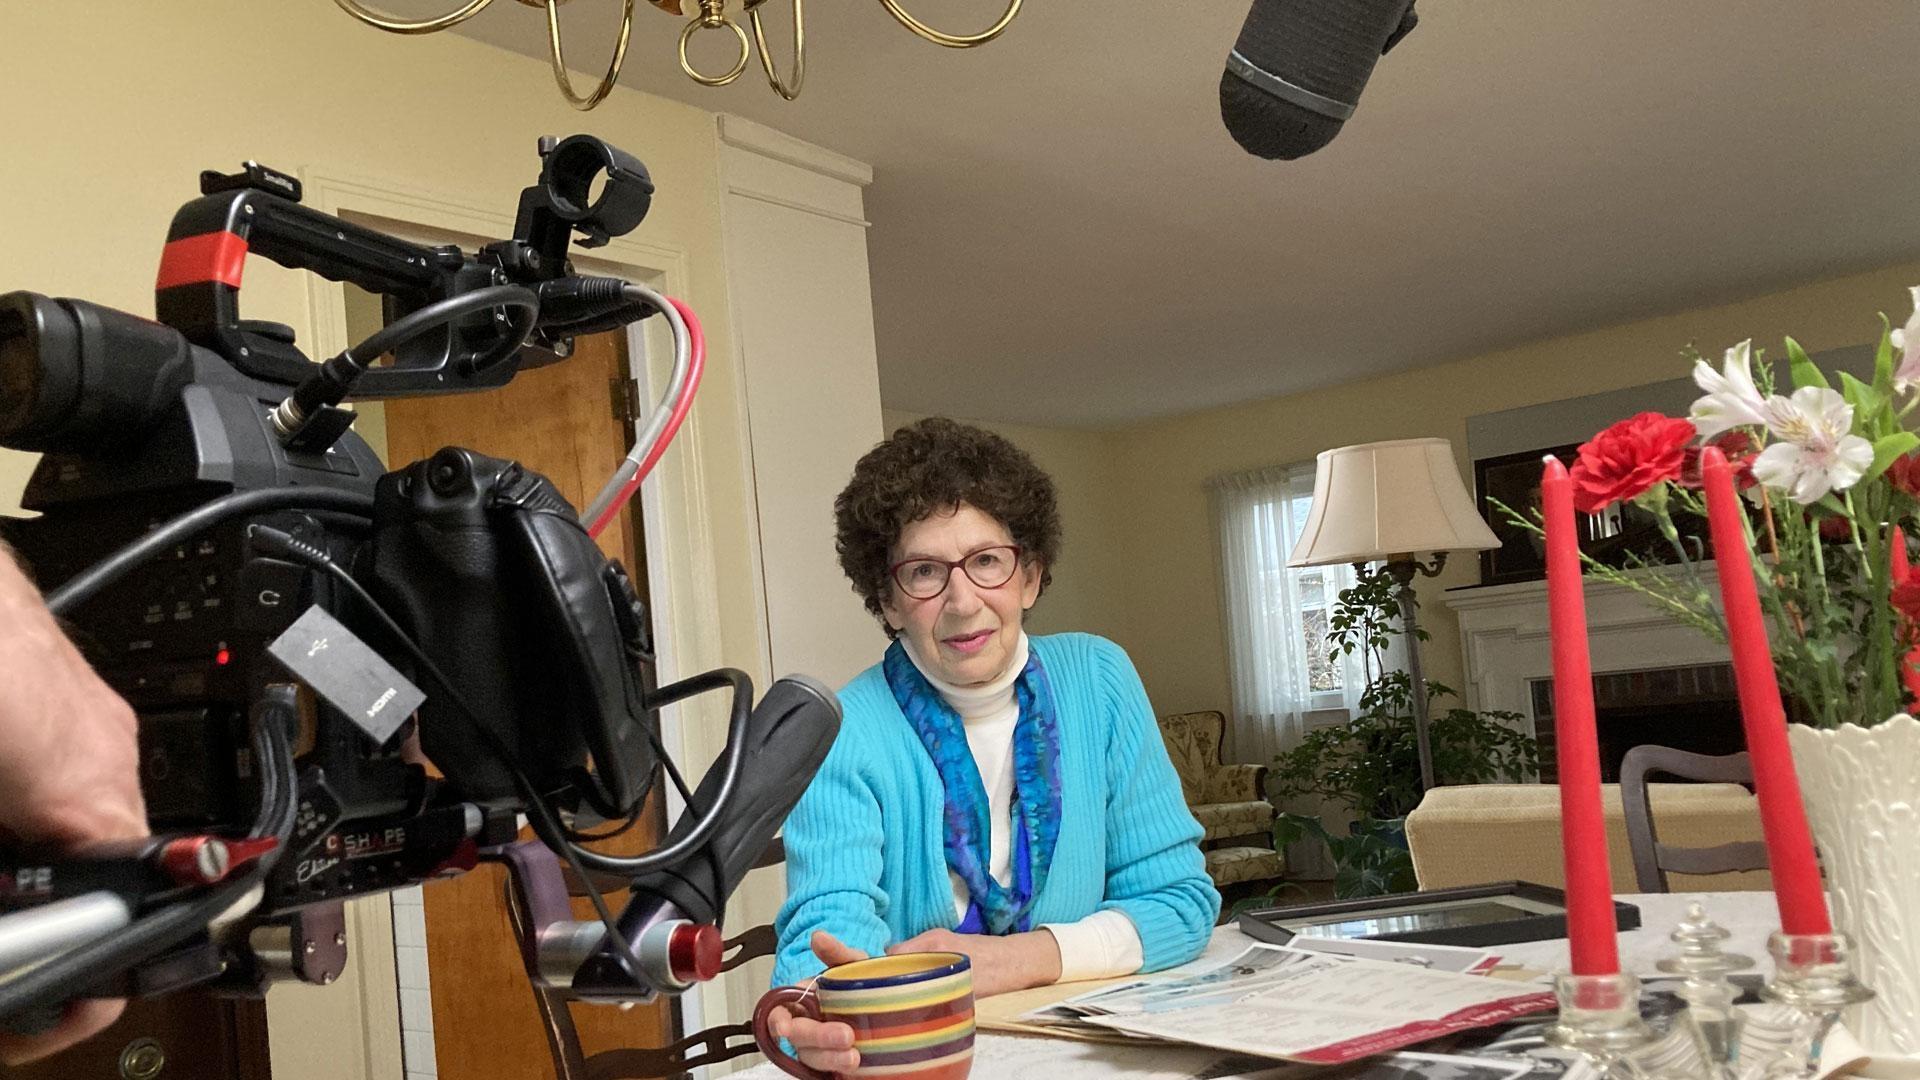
(1513, 479)
(1274, 925)
(1625, 535)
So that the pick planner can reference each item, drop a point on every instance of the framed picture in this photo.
(1621, 535)
(1476, 915)
(1514, 480)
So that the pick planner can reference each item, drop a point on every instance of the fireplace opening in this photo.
(1689, 708)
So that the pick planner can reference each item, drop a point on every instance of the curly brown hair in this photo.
(937, 464)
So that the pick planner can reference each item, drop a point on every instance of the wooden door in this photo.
(188, 1034)
(558, 421)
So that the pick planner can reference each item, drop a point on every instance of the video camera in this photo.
(235, 561)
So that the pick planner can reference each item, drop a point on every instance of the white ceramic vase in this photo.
(1862, 790)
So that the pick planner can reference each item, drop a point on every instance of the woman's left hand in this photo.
(1000, 964)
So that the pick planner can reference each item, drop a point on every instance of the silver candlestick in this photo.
(1600, 1020)
(1712, 1019)
(1812, 975)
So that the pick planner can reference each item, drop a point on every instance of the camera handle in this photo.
(198, 288)
(258, 211)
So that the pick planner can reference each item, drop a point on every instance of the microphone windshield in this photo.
(1297, 70)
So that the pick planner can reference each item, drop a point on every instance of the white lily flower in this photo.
(1907, 340)
(1731, 398)
(1815, 450)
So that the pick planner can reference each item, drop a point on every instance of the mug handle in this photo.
(800, 999)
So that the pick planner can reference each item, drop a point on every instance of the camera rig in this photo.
(234, 560)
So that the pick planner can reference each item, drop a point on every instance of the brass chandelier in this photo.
(712, 15)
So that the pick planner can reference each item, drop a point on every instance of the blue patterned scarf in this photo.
(992, 908)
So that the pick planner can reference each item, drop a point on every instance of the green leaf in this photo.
(1804, 372)
(1883, 359)
(1291, 828)
(1831, 504)
(1888, 450)
(1867, 403)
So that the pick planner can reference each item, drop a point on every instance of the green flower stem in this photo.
(1792, 649)
(1664, 516)
(1853, 526)
(1832, 681)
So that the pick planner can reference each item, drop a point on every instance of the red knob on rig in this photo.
(204, 860)
(196, 860)
(693, 952)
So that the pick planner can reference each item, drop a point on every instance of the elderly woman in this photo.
(992, 794)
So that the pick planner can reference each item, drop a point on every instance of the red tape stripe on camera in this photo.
(194, 260)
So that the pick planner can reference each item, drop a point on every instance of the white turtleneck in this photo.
(1105, 943)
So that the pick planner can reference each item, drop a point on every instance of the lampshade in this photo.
(1388, 498)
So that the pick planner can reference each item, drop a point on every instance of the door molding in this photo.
(678, 527)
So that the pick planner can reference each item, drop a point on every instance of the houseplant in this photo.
(1371, 763)
(1831, 470)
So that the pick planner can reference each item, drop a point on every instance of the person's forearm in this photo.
(69, 762)
(1036, 960)
(13, 580)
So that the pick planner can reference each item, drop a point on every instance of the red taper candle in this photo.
(1910, 663)
(1591, 928)
(1783, 818)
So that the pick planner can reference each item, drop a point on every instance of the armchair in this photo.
(1227, 800)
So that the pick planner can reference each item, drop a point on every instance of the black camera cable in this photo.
(82, 586)
(333, 380)
(545, 822)
(540, 815)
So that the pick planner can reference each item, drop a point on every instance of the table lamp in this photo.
(1391, 501)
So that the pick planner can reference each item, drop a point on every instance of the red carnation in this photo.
(1905, 473)
(1906, 599)
(1627, 459)
(1737, 446)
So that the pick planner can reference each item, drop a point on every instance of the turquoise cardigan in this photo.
(865, 854)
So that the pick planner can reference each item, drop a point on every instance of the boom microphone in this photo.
(1295, 74)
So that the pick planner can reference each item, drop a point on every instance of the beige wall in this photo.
(102, 154)
(1174, 627)
(1086, 471)
(1142, 565)
(113, 110)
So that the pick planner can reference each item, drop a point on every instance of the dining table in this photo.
(1749, 917)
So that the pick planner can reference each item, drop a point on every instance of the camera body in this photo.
(184, 637)
(143, 421)
(192, 520)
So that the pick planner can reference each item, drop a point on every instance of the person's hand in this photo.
(825, 1046)
(69, 765)
(1000, 964)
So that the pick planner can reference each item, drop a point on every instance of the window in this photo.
(1276, 617)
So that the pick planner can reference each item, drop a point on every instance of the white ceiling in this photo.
(1064, 234)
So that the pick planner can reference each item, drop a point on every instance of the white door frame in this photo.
(677, 522)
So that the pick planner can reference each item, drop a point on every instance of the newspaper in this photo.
(1008, 1057)
(1324, 1009)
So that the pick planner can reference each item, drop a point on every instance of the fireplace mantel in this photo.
(1505, 647)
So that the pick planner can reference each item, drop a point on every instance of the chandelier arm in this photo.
(785, 90)
(713, 16)
(423, 26)
(560, 75)
(951, 41)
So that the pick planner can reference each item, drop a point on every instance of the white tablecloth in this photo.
(1750, 916)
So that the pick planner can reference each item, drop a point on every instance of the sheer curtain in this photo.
(1276, 617)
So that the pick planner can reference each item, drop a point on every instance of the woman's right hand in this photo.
(826, 1046)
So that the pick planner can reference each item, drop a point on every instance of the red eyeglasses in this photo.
(988, 568)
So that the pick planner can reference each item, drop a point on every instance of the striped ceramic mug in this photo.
(911, 1014)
